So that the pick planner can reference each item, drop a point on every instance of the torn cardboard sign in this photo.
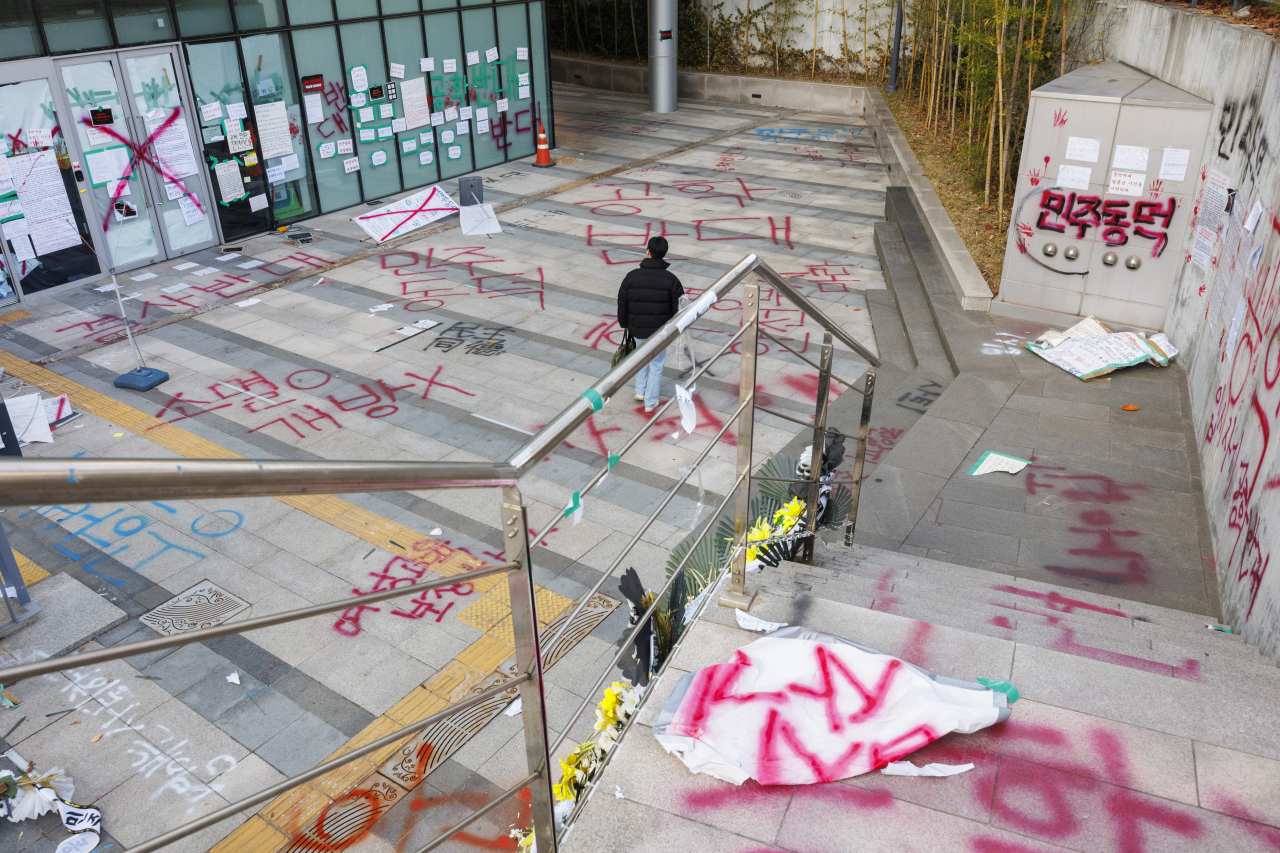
(1089, 349)
(800, 707)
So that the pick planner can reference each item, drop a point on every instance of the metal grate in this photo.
(793, 195)
(204, 605)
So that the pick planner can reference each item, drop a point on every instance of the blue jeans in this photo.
(649, 379)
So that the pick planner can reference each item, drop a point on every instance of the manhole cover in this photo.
(204, 605)
(793, 195)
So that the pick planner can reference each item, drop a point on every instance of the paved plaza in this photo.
(291, 351)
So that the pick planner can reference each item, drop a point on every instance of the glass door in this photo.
(46, 238)
(170, 167)
(101, 121)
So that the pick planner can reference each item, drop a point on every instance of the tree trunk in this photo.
(635, 38)
(813, 66)
(986, 184)
(746, 40)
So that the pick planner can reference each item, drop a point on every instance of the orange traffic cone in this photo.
(544, 151)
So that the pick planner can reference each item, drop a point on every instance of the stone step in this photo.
(1201, 658)
(1188, 655)
(865, 558)
(1243, 719)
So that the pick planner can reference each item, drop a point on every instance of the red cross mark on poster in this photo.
(138, 153)
(408, 213)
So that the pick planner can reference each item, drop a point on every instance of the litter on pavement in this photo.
(992, 461)
(1089, 349)
(906, 768)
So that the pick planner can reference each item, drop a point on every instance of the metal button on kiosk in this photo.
(1105, 191)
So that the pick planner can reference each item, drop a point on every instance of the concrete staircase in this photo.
(1139, 730)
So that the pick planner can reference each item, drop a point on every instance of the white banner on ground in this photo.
(407, 214)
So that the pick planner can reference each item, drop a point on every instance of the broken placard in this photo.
(1089, 349)
(906, 768)
(992, 461)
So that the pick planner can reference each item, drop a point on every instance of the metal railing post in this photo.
(524, 624)
(856, 486)
(808, 545)
(737, 595)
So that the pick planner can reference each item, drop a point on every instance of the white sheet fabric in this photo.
(791, 711)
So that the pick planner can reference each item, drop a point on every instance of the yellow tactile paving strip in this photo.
(30, 571)
(270, 829)
(14, 315)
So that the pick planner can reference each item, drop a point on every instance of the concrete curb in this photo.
(963, 274)
(726, 88)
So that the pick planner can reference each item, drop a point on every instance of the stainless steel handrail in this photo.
(44, 481)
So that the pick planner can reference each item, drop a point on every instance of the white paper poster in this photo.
(1080, 148)
(290, 163)
(273, 129)
(359, 78)
(22, 248)
(1213, 202)
(491, 54)
(173, 191)
(408, 146)
(345, 146)
(237, 110)
(426, 137)
(1130, 157)
(386, 110)
(378, 157)
(414, 102)
(1255, 213)
(257, 202)
(172, 146)
(28, 417)
(108, 165)
(450, 113)
(450, 66)
(40, 137)
(275, 174)
(357, 100)
(1074, 177)
(1173, 166)
(522, 53)
(314, 104)
(38, 182)
(1202, 251)
(399, 125)
(464, 128)
(426, 157)
(239, 141)
(426, 64)
(446, 137)
(407, 214)
(266, 87)
(522, 79)
(351, 164)
(482, 127)
(502, 105)
(6, 178)
(473, 57)
(384, 132)
(482, 113)
(397, 71)
(230, 186)
(1126, 183)
(454, 152)
(191, 212)
(465, 112)
(522, 93)
(368, 134)
(326, 150)
(437, 119)
(211, 112)
(365, 115)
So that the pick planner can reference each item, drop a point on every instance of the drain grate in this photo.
(793, 195)
(204, 605)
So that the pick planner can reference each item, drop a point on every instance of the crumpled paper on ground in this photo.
(906, 768)
(1089, 349)
(799, 707)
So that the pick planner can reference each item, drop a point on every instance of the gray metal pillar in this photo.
(662, 56)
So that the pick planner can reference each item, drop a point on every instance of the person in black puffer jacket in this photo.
(648, 298)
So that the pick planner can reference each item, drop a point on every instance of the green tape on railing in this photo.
(593, 396)
(1001, 687)
(613, 459)
(575, 504)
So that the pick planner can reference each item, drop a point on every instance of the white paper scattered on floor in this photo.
(479, 219)
(246, 303)
(992, 461)
(27, 414)
(106, 288)
(234, 678)
(437, 532)
(57, 408)
(174, 288)
(514, 708)
(205, 271)
(617, 792)
(248, 265)
(185, 266)
(386, 306)
(144, 277)
(906, 768)
(754, 623)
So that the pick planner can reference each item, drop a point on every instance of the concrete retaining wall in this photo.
(1226, 319)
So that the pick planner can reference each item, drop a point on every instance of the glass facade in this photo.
(289, 109)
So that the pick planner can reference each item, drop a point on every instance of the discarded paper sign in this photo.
(992, 461)
(906, 768)
(1089, 349)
